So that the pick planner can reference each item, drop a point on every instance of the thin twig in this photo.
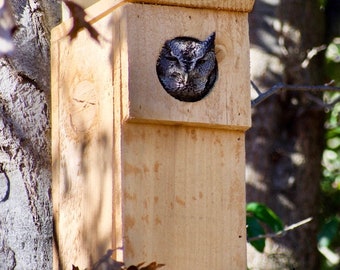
(321, 103)
(318, 100)
(279, 233)
(330, 105)
(256, 88)
(280, 87)
(313, 52)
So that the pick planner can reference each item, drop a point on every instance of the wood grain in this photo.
(143, 97)
(183, 196)
(82, 132)
(135, 168)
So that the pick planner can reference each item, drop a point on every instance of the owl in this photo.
(187, 67)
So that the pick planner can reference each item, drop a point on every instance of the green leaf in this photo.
(254, 229)
(333, 133)
(333, 52)
(266, 215)
(333, 61)
(328, 232)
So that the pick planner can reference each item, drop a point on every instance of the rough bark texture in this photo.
(25, 173)
(285, 144)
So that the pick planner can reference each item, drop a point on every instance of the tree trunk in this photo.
(285, 144)
(25, 163)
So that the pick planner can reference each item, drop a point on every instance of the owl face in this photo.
(187, 67)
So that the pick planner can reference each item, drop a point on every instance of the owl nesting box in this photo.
(135, 167)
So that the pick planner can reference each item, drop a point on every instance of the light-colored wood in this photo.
(101, 8)
(55, 147)
(183, 196)
(135, 168)
(83, 3)
(235, 5)
(143, 97)
(82, 149)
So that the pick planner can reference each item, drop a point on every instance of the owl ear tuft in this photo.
(209, 43)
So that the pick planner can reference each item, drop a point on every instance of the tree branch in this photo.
(313, 52)
(279, 233)
(281, 87)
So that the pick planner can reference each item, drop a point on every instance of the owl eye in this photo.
(171, 58)
(201, 61)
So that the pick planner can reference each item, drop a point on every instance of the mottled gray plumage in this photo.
(187, 67)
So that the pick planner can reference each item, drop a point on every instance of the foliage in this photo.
(259, 216)
(333, 60)
(327, 239)
(329, 234)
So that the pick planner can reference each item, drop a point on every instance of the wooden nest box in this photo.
(135, 168)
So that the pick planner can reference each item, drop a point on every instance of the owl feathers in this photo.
(187, 67)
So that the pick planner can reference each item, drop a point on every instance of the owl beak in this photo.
(185, 77)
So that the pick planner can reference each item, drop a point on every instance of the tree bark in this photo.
(25, 163)
(285, 144)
